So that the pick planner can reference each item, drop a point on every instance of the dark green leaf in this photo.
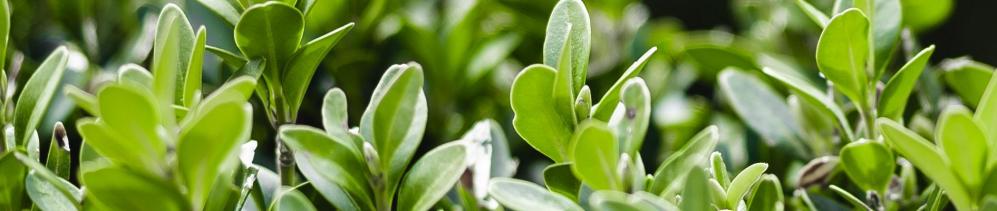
(898, 89)
(334, 167)
(271, 30)
(762, 109)
(302, 65)
(559, 179)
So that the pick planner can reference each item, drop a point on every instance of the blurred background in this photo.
(472, 49)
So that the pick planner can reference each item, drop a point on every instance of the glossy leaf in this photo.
(964, 143)
(967, 78)
(761, 109)
(135, 74)
(927, 158)
(561, 180)
(432, 176)
(608, 103)
(522, 195)
(869, 164)
(302, 65)
(743, 182)
(886, 21)
(898, 89)
(122, 189)
(537, 120)
(395, 119)
(986, 117)
(813, 96)
(921, 15)
(569, 20)
(208, 144)
(271, 30)
(172, 52)
(596, 156)
(842, 53)
(671, 172)
(37, 93)
(334, 167)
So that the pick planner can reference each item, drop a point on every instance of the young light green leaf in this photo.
(927, 158)
(596, 154)
(190, 81)
(767, 195)
(127, 129)
(898, 89)
(607, 104)
(432, 176)
(172, 52)
(37, 93)
(569, 21)
(301, 67)
(869, 164)
(271, 30)
(334, 110)
(84, 100)
(761, 109)
(522, 195)
(964, 143)
(967, 78)
(986, 117)
(208, 144)
(236, 91)
(695, 196)
(842, 53)
(135, 74)
(395, 119)
(559, 179)
(335, 167)
(719, 169)
(813, 96)
(630, 122)
(815, 15)
(122, 189)
(743, 182)
(671, 172)
(537, 120)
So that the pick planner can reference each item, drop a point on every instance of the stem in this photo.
(285, 164)
(869, 119)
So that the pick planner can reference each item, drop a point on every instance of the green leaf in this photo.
(898, 89)
(190, 81)
(13, 172)
(743, 182)
(842, 53)
(967, 78)
(869, 164)
(4, 34)
(126, 132)
(291, 199)
(561, 180)
(719, 169)
(224, 9)
(37, 94)
(815, 15)
(172, 52)
(886, 20)
(334, 110)
(432, 176)
(228, 57)
(695, 195)
(986, 117)
(59, 158)
(335, 167)
(607, 104)
(712, 58)
(122, 189)
(522, 195)
(209, 144)
(762, 109)
(813, 96)
(921, 15)
(927, 158)
(84, 100)
(301, 67)
(395, 119)
(47, 197)
(537, 118)
(43, 185)
(767, 195)
(965, 145)
(569, 21)
(850, 198)
(135, 74)
(670, 174)
(596, 156)
(630, 122)
(236, 91)
(271, 30)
